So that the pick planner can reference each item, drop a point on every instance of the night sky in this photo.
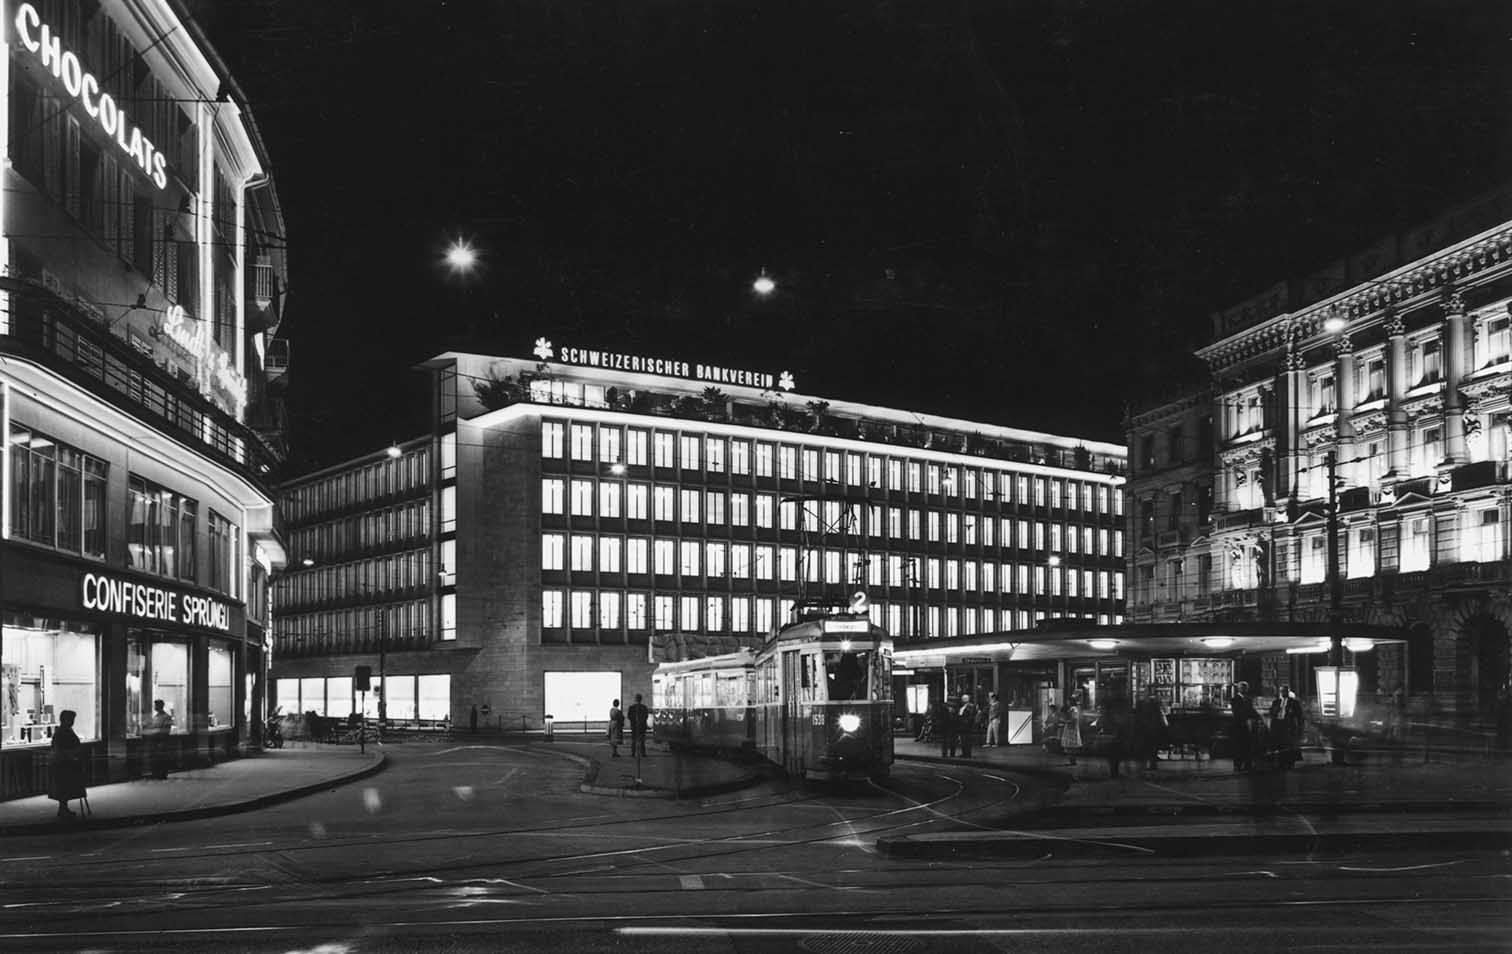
(1013, 212)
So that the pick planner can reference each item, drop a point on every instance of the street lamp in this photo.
(461, 257)
(763, 285)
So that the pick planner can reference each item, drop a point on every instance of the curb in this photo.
(1029, 847)
(206, 811)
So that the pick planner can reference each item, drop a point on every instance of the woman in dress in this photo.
(1070, 731)
(616, 729)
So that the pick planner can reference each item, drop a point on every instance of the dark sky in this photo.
(1016, 212)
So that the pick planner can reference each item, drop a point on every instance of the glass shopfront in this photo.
(219, 672)
(46, 666)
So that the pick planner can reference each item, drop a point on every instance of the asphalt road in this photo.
(492, 848)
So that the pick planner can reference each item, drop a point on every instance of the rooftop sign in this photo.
(656, 364)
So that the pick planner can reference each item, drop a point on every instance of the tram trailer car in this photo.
(818, 700)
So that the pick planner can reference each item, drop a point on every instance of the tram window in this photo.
(847, 675)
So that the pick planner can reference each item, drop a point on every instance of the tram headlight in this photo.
(850, 722)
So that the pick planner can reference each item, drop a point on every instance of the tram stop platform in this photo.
(660, 774)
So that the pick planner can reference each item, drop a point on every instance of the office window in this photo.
(764, 615)
(582, 553)
(932, 478)
(787, 512)
(553, 551)
(714, 614)
(1039, 536)
(609, 499)
(740, 457)
(551, 609)
(688, 564)
(1071, 485)
(714, 455)
(874, 471)
(832, 567)
(874, 520)
(810, 460)
(666, 618)
(661, 498)
(895, 523)
(1360, 561)
(766, 558)
(552, 493)
(714, 559)
(1055, 538)
(609, 554)
(764, 511)
(609, 611)
(787, 462)
(832, 466)
(637, 550)
(970, 527)
(740, 614)
(1483, 539)
(952, 528)
(582, 498)
(932, 572)
(934, 526)
(740, 561)
(873, 570)
(988, 524)
(894, 570)
(763, 460)
(582, 610)
(690, 506)
(714, 508)
(969, 575)
(662, 449)
(635, 501)
(894, 474)
(635, 611)
(1430, 362)
(1495, 342)
(812, 568)
(635, 447)
(989, 577)
(1055, 493)
(551, 439)
(969, 483)
(740, 510)
(787, 564)
(609, 444)
(665, 557)
(689, 452)
(952, 574)
(913, 477)
(1430, 450)
(582, 442)
(689, 614)
(853, 469)
(225, 555)
(913, 525)
(831, 516)
(1039, 491)
(1416, 544)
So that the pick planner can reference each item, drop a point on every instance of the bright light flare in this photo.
(849, 722)
(763, 285)
(461, 256)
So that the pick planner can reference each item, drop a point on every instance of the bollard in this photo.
(547, 722)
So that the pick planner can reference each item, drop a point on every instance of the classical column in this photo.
(1344, 395)
(1396, 385)
(1455, 342)
(1290, 393)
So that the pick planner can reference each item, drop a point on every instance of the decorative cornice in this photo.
(1343, 346)
(1396, 326)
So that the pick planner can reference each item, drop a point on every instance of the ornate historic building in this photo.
(1363, 431)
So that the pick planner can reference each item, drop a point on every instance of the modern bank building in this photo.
(572, 509)
(141, 270)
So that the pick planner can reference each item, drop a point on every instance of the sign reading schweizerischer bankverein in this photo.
(648, 364)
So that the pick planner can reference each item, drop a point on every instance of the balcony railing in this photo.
(57, 334)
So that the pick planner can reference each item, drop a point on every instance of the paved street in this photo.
(498, 847)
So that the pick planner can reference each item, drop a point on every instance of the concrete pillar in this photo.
(1456, 340)
(1397, 442)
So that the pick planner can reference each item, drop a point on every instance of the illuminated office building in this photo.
(566, 510)
(1389, 372)
(141, 272)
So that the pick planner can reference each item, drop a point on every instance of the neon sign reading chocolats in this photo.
(82, 85)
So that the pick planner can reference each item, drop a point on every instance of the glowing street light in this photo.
(394, 452)
(763, 285)
(461, 257)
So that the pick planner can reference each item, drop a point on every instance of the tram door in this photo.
(794, 732)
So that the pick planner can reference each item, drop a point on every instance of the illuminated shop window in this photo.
(433, 697)
(47, 666)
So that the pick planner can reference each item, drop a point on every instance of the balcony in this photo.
(57, 335)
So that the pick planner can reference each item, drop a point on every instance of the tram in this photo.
(815, 699)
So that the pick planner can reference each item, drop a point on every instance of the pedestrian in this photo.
(639, 716)
(1070, 730)
(1149, 729)
(1243, 709)
(472, 720)
(67, 764)
(994, 721)
(616, 729)
(1113, 732)
(966, 723)
(158, 727)
(1286, 726)
(945, 727)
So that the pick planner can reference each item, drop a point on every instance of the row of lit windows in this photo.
(411, 521)
(740, 561)
(401, 571)
(638, 447)
(363, 626)
(374, 481)
(635, 501)
(608, 610)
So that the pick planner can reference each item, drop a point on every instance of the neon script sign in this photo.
(193, 336)
(82, 85)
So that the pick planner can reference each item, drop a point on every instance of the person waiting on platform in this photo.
(994, 722)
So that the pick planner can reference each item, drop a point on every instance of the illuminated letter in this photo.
(26, 17)
(73, 74)
(158, 174)
(110, 117)
(90, 87)
(89, 578)
(136, 149)
(52, 51)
